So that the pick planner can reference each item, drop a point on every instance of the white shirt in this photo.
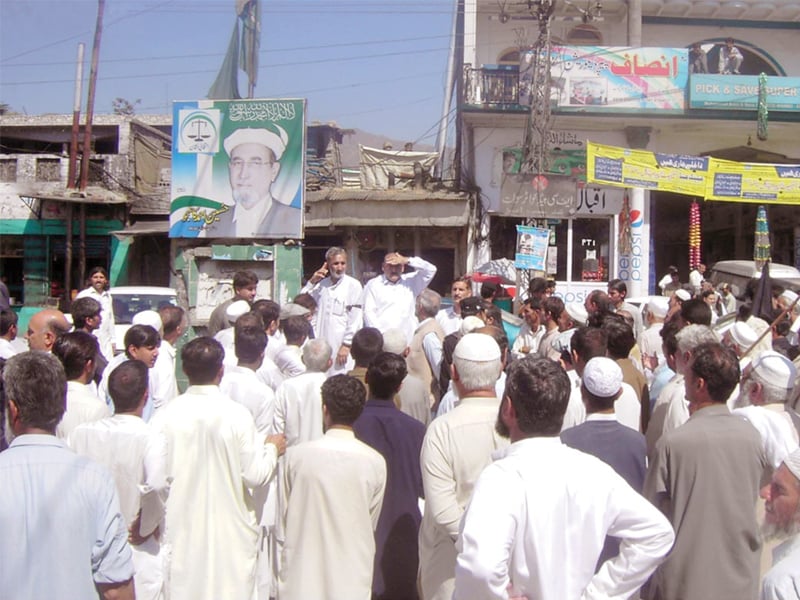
(775, 426)
(392, 305)
(332, 493)
(83, 406)
(7, 349)
(298, 408)
(242, 385)
(269, 373)
(448, 320)
(782, 581)
(136, 457)
(450, 399)
(338, 314)
(576, 409)
(105, 334)
(538, 519)
(102, 389)
(225, 338)
(212, 446)
(290, 361)
(529, 339)
(163, 383)
(628, 408)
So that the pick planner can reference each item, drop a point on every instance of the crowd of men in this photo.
(365, 442)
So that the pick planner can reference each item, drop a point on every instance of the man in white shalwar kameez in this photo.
(215, 457)
(390, 298)
(163, 383)
(456, 448)
(242, 385)
(332, 493)
(298, 401)
(338, 314)
(538, 517)
(78, 351)
(136, 457)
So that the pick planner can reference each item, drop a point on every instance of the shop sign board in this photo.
(740, 92)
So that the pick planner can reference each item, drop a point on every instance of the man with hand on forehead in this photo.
(390, 298)
(254, 166)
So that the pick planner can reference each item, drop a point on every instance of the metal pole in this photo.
(76, 117)
(87, 134)
(459, 60)
(82, 245)
(68, 257)
(441, 136)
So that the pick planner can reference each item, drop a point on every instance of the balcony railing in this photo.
(492, 85)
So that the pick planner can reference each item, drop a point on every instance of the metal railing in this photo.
(495, 85)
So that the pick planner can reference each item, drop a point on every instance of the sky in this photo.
(373, 65)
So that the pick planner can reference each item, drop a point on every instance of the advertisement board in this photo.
(738, 92)
(237, 169)
(704, 177)
(600, 78)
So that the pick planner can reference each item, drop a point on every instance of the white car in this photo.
(129, 300)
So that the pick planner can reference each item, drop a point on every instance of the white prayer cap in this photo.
(602, 377)
(743, 335)
(775, 369)
(292, 310)
(683, 295)
(394, 341)
(577, 312)
(792, 462)
(789, 296)
(470, 323)
(236, 310)
(147, 317)
(477, 347)
(658, 306)
(274, 141)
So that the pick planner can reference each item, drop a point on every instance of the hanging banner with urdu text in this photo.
(705, 177)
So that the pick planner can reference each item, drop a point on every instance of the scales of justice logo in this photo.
(199, 131)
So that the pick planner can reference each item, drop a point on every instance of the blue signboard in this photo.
(739, 92)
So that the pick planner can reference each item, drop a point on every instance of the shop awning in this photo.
(144, 228)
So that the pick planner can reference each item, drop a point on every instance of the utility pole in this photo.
(87, 132)
(72, 180)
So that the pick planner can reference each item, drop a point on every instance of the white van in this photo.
(738, 273)
(129, 300)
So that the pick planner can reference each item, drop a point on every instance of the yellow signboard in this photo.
(705, 177)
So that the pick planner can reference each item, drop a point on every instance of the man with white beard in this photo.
(782, 522)
(766, 386)
(338, 314)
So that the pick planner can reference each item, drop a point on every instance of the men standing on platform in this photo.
(338, 314)
(389, 298)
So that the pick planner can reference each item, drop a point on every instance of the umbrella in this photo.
(502, 268)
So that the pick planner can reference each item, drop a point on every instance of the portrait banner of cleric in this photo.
(254, 165)
(237, 169)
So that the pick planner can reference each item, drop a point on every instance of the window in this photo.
(579, 249)
(48, 169)
(8, 170)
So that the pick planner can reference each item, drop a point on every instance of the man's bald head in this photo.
(45, 327)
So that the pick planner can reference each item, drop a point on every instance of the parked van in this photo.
(738, 273)
(129, 300)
